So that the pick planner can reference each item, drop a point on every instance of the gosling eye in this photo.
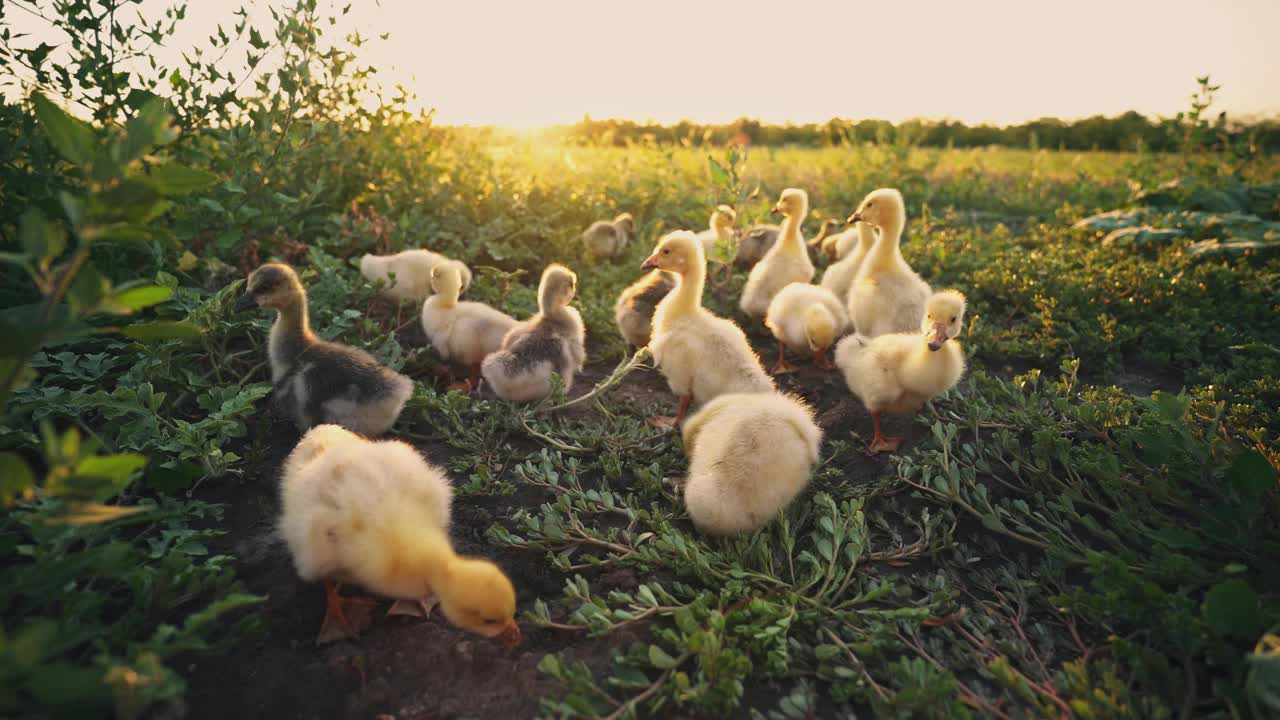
(490, 621)
(953, 318)
(666, 251)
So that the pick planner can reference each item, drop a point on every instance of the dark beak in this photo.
(511, 635)
(775, 210)
(650, 263)
(245, 302)
(939, 336)
(855, 217)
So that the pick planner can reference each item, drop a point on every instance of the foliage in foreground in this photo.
(1055, 546)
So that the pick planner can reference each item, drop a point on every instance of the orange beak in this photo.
(939, 336)
(510, 636)
(651, 263)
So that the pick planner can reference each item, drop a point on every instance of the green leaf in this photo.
(550, 665)
(78, 690)
(15, 478)
(88, 289)
(207, 617)
(41, 239)
(33, 642)
(825, 652)
(174, 179)
(1231, 608)
(719, 175)
(1251, 476)
(73, 207)
(121, 232)
(116, 469)
(162, 330)
(150, 127)
(73, 139)
(131, 195)
(660, 659)
(123, 302)
(1178, 538)
(139, 98)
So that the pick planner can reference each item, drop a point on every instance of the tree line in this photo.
(1129, 131)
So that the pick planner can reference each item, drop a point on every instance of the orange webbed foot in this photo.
(883, 443)
(421, 607)
(344, 618)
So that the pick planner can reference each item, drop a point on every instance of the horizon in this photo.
(999, 63)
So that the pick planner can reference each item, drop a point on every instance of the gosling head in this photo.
(478, 597)
(446, 278)
(723, 218)
(274, 285)
(880, 208)
(943, 317)
(625, 223)
(678, 252)
(825, 240)
(819, 328)
(793, 203)
(557, 287)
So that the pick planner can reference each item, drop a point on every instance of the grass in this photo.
(1086, 526)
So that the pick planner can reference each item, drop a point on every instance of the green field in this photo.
(1089, 525)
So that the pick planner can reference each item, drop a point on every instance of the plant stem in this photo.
(650, 691)
(624, 368)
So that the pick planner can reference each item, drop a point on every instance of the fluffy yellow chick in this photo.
(407, 275)
(886, 295)
(376, 514)
(749, 456)
(808, 318)
(786, 262)
(605, 239)
(701, 355)
(899, 372)
(720, 230)
(462, 331)
(553, 340)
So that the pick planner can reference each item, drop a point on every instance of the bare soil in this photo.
(426, 669)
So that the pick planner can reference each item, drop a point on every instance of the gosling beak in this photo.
(650, 263)
(775, 210)
(855, 217)
(510, 636)
(245, 302)
(939, 336)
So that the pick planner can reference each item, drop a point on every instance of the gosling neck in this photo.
(423, 549)
(447, 298)
(866, 237)
(292, 328)
(687, 297)
(790, 243)
(886, 251)
(552, 309)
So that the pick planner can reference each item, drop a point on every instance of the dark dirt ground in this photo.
(426, 669)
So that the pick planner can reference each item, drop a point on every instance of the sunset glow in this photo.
(1001, 61)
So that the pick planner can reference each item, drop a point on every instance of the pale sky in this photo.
(529, 64)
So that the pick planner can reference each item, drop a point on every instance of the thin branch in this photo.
(630, 705)
(624, 368)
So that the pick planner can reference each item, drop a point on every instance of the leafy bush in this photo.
(1050, 548)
